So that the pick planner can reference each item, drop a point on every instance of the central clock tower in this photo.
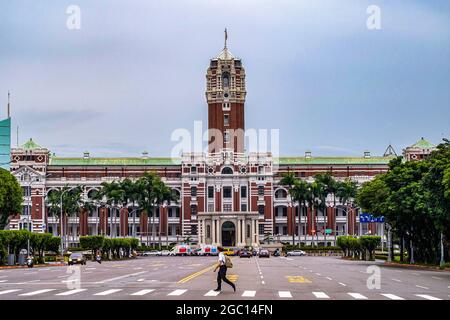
(225, 95)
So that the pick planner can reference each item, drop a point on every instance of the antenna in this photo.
(8, 108)
(17, 136)
(226, 37)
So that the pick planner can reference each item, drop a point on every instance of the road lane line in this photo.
(33, 293)
(422, 287)
(1, 281)
(342, 284)
(428, 297)
(249, 293)
(318, 274)
(396, 280)
(196, 274)
(212, 293)
(392, 296)
(329, 278)
(321, 295)
(9, 291)
(284, 294)
(142, 292)
(177, 292)
(122, 277)
(107, 292)
(70, 292)
(357, 296)
(437, 278)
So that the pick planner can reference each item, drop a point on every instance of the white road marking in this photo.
(263, 282)
(290, 259)
(65, 276)
(318, 274)
(425, 296)
(33, 281)
(122, 277)
(27, 273)
(396, 280)
(321, 295)
(142, 292)
(177, 292)
(284, 294)
(329, 278)
(392, 296)
(437, 278)
(415, 273)
(70, 292)
(212, 293)
(357, 296)
(107, 292)
(140, 280)
(249, 293)
(342, 284)
(262, 277)
(33, 293)
(422, 287)
(3, 281)
(9, 291)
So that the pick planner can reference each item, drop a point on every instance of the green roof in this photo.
(423, 144)
(56, 161)
(334, 160)
(30, 145)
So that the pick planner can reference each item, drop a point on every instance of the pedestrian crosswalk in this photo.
(162, 292)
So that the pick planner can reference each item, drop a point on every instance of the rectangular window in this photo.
(227, 192)
(193, 191)
(26, 191)
(226, 137)
(193, 170)
(193, 210)
(261, 210)
(244, 207)
(210, 207)
(243, 192)
(211, 192)
(261, 229)
(26, 210)
(227, 207)
(226, 119)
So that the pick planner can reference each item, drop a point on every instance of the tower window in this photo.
(226, 119)
(193, 191)
(226, 137)
(227, 192)
(210, 192)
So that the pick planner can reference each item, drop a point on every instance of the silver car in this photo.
(296, 253)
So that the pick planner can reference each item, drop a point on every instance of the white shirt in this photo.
(221, 258)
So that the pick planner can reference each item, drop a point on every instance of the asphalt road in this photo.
(300, 278)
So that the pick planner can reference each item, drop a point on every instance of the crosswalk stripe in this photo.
(70, 292)
(357, 296)
(321, 295)
(249, 293)
(1, 281)
(428, 297)
(9, 291)
(392, 296)
(107, 292)
(284, 294)
(212, 293)
(142, 292)
(177, 292)
(33, 293)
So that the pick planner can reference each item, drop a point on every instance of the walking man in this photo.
(222, 275)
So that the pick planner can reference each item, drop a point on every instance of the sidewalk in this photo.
(414, 266)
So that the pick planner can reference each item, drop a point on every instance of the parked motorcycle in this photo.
(98, 258)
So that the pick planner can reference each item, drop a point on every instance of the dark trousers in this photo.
(222, 275)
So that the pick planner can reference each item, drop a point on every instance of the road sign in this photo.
(328, 231)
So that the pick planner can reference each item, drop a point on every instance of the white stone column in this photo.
(252, 230)
(238, 233)
(257, 231)
(213, 225)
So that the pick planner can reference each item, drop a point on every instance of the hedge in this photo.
(354, 247)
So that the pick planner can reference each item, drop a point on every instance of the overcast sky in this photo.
(135, 72)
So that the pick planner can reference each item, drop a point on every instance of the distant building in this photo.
(419, 150)
(5, 143)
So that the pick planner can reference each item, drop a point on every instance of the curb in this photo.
(414, 266)
(35, 266)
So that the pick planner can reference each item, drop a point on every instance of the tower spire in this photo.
(9, 107)
(226, 37)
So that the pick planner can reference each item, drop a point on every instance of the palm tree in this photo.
(299, 193)
(114, 197)
(289, 181)
(346, 193)
(330, 188)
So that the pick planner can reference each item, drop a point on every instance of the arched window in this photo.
(227, 170)
(280, 194)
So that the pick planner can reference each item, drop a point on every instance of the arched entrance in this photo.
(228, 234)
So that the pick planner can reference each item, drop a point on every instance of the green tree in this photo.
(11, 197)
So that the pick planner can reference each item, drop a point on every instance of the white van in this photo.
(181, 250)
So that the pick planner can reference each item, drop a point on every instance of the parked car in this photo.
(77, 258)
(165, 253)
(296, 253)
(195, 252)
(264, 253)
(244, 253)
(152, 253)
(276, 253)
(228, 251)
